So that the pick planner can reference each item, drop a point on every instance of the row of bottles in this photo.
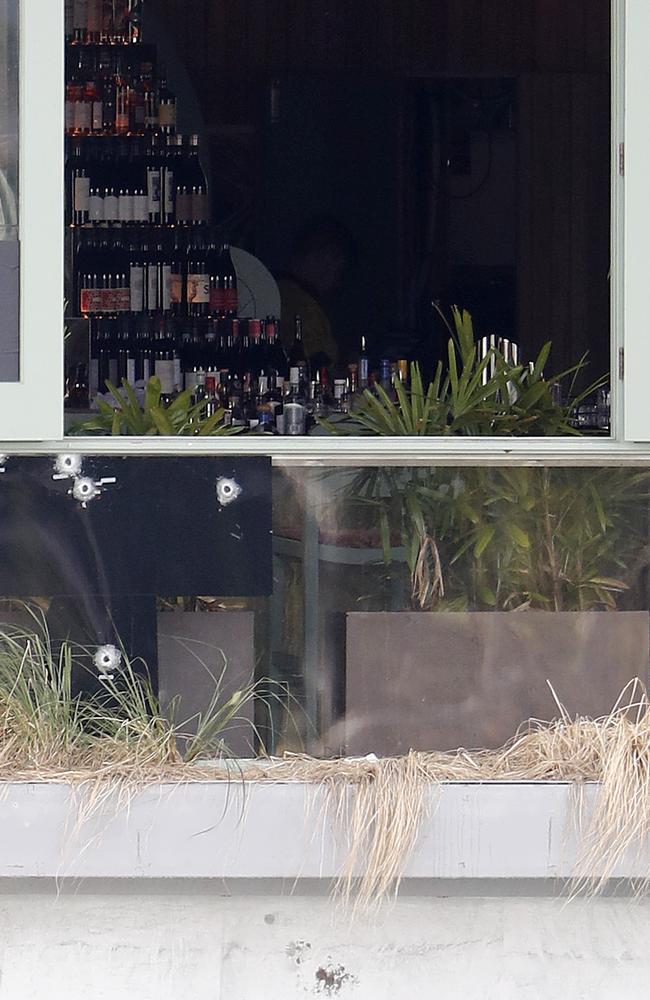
(114, 91)
(156, 181)
(151, 273)
(237, 365)
(115, 22)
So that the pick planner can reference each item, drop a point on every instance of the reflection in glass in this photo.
(411, 607)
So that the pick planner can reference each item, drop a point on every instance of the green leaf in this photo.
(517, 534)
(483, 537)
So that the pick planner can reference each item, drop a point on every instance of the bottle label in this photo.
(146, 369)
(178, 373)
(153, 191)
(294, 419)
(165, 372)
(137, 287)
(175, 287)
(167, 114)
(169, 191)
(231, 300)
(104, 300)
(166, 286)
(130, 370)
(69, 116)
(111, 207)
(183, 205)
(140, 208)
(96, 207)
(97, 116)
(82, 116)
(125, 207)
(198, 289)
(152, 287)
(199, 205)
(191, 379)
(82, 194)
(217, 300)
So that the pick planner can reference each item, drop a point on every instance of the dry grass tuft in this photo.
(119, 741)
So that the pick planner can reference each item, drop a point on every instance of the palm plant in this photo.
(470, 396)
(499, 538)
(126, 415)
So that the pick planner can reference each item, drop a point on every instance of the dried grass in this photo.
(110, 749)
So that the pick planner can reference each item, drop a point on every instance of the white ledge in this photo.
(264, 830)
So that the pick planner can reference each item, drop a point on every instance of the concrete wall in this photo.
(157, 941)
(197, 891)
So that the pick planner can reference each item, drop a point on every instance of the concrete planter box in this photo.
(228, 831)
(440, 680)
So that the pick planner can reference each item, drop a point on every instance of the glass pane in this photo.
(279, 208)
(392, 608)
(9, 247)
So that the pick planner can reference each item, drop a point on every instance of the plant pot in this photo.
(440, 680)
(194, 647)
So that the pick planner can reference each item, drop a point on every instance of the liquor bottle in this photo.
(134, 15)
(69, 20)
(92, 96)
(255, 352)
(353, 379)
(276, 358)
(166, 107)
(385, 376)
(177, 279)
(196, 183)
(136, 276)
(79, 198)
(153, 174)
(197, 283)
(164, 366)
(341, 396)
(297, 356)
(294, 408)
(144, 351)
(229, 281)
(167, 185)
(122, 95)
(106, 84)
(93, 370)
(364, 366)
(94, 20)
(80, 18)
(73, 89)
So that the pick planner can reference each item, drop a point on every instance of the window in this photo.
(229, 136)
(335, 180)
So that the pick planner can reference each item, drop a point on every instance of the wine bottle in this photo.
(198, 280)
(166, 107)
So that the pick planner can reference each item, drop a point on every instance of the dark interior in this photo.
(463, 144)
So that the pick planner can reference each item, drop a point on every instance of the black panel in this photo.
(159, 529)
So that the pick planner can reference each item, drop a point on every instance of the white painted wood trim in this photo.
(33, 407)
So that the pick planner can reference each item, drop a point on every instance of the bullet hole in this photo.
(269, 918)
(330, 980)
(227, 490)
(107, 660)
(297, 951)
(67, 466)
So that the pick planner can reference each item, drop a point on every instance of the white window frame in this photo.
(31, 412)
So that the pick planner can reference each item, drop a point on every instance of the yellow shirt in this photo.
(316, 330)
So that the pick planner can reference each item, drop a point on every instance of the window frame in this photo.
(42, 75)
